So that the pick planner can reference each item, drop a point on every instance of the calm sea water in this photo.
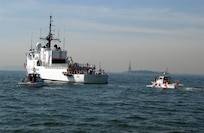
(123, 105)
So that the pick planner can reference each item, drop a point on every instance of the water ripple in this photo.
(123, 105)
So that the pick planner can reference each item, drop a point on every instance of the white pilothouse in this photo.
(54, 64)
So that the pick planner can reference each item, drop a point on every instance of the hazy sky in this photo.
(151, 34)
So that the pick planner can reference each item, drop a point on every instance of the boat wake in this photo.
(200, 89)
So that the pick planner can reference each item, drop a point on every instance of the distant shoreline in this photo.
(12, 68)
(21, 68)
(143, 72)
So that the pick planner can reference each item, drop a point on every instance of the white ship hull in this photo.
(56, 74)
(166, 86)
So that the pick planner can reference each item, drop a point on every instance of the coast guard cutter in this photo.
(52, 63)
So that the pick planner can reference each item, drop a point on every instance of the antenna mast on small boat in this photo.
(166, 71)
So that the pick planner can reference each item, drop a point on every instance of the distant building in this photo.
(129, 68)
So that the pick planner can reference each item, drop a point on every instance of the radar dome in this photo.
(38, 45)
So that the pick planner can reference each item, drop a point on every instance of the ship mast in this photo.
(49, 37)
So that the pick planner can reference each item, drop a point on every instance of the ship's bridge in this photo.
(58, 55)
